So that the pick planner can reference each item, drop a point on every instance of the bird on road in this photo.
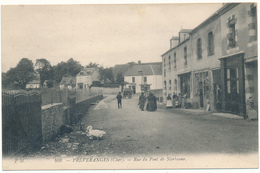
(94, 133)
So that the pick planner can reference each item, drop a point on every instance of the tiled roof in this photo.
(145, 69)
(34, 82)
(86, 71)
(186, 30)
(120, 68)
(68, 81)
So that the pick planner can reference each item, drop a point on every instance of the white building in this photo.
(86, 76)
(146, 74)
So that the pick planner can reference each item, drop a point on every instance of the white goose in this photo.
(94, 133)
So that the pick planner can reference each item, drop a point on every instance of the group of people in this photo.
(151, 102)
(175, 100)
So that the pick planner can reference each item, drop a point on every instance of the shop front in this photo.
(233, 82)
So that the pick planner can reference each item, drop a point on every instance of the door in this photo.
(233, 82)
(232, 93)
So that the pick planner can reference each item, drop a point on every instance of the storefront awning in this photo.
(232, 55)
(184, 73)
(251, 59)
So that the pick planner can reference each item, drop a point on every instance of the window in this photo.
(169, 62)
(199, 49)
(252, 27)
(185, 56)
(164, 63)
(174, 61)
(170, 85)
(145, 79)
(133, 79)
(165, 85)
(210, 44)
(231, 36)
(175, 84)
(164, 73)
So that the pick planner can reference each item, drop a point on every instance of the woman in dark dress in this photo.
(152, 103)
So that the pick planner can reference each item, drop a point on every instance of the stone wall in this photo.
(56, 115)
(52, 120)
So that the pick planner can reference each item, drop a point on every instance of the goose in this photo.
(94, 133)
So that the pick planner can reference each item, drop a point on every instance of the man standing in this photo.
(119, 100)
(142, 100)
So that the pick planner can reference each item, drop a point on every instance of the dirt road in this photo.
(131, 131)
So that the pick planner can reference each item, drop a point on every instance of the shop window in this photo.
(185, 56)
(210, 44)
(199, 49)
(232, 81)
(185, 85)
(202, 83)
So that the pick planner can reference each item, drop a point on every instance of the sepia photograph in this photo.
(129, 86)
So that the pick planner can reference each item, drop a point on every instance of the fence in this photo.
(21, 120)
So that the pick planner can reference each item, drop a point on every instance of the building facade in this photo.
(148, 75)
(221, 68)
(85, 77)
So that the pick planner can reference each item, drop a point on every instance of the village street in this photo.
(130, 131)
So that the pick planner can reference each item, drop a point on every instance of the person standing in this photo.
(141, 101)
(169, 101)
(119, 100)
(152, 102)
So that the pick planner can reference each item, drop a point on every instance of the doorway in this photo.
(233, 82)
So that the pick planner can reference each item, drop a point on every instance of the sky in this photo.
(104, 34)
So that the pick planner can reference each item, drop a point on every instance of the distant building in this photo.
(144, 76)
(33, 84)
(121, 68)
(68, 83)
(86, 77)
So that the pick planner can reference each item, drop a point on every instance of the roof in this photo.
(186, 30)
(121, 68)
(145, 69)
(34, 82)
(86, 71)
(175, 38)
(68, 81)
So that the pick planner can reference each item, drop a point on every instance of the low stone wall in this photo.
(79, 109)
(52, 120)
(106, 90)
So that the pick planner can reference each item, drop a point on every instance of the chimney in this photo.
(139, 62)
(174, 42)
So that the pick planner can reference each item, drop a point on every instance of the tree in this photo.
(119, 78)
(44, 69)
(69, 68)
(21, 74)
(106, 74)
(92, 65)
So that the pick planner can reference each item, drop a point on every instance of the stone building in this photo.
(216, 63)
